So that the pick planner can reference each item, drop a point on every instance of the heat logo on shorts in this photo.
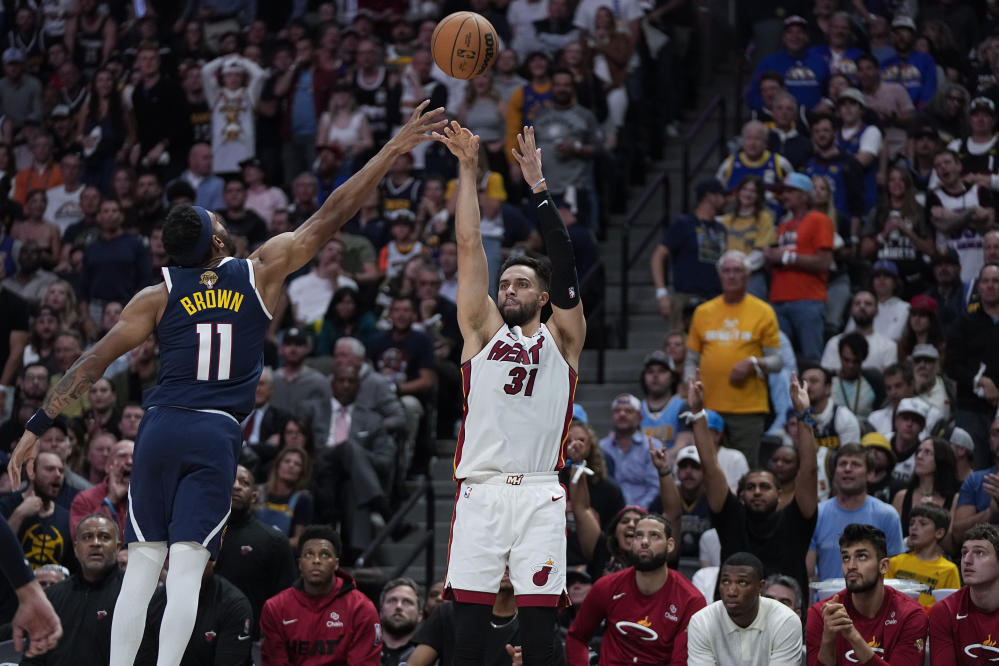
(541, 575)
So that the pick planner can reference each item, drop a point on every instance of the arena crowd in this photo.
(849, 241)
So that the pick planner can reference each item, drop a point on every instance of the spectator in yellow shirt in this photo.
(925, 562)
(735, 343)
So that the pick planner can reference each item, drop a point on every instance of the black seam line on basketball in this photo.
(478, 51)
(433, 40)
(454, 46)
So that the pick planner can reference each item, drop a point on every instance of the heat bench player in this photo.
(519, 378)
(964, 627)
(210, 315)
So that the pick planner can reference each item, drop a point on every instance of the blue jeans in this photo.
(803, 321)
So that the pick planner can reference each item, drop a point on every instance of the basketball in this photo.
(464, 45)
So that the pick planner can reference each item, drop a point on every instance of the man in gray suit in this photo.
(375, 393)
(355, 461)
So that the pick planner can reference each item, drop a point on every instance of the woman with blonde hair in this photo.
(284, 502)
(62, 299)
(344, 125)
(750, 227)
(582, 445)
(838, 288)
(483, 111)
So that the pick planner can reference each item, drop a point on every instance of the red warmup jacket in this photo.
(897, 633)
(339, 629)
(962, 633)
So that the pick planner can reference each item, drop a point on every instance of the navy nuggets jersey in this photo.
(211, 339)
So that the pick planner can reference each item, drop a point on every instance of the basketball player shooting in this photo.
(519, 376)
(210, 315)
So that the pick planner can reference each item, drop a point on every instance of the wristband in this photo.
(661, 293)
(690, 417)
(785, 258)
(665, 472)
(538, 183)
(38, 423)
(807, 416)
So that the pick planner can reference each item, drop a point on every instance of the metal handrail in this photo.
(595, 317)
(717, 103)
(627, 258)
(426, 541)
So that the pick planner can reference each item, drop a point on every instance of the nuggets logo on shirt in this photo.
(874, 644)
(643, 629)
(728, 333)
(987, 650)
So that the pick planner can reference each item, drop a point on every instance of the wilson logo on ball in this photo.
(464, 45)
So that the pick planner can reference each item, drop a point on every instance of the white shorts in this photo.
(516, 519)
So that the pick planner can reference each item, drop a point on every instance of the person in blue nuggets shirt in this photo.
(805, 73)
(916, 71)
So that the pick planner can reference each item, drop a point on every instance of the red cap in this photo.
(924, 303)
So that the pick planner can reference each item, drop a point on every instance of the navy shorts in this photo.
(182, 475)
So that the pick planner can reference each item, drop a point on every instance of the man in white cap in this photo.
(20, 93)
(899, 68)
(929, 385)
(696, 516)
(977, 150)
(800, 263)
(627, 448)
(860, 140)
(910, 419)
(233, 107)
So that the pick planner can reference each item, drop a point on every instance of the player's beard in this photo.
(862, 585)
(402, 628)
(520, 315)
(648, 563)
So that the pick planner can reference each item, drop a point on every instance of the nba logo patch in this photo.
(572, 292)
(468, 491)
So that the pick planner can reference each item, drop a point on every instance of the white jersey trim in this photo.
(253, 283)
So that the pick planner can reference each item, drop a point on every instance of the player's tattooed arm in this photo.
(137, 322)
(75, 383)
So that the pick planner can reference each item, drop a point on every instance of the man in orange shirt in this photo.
(801, 261)
(735, 342)
(42, 174)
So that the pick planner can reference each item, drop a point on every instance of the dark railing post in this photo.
(740, 81)
(722, 143)
(431, 553)
(625, 268)
(685, 178)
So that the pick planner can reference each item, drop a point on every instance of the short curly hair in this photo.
(181, 232)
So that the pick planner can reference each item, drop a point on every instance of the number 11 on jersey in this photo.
(205, 350)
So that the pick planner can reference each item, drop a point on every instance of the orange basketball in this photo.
(464, 45)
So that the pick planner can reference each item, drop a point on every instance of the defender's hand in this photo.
(529, 156)
(419, 128)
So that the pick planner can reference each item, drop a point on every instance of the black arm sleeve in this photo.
(564, 287)
(12, 558)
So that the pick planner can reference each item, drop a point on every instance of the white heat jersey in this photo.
(518, 404)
